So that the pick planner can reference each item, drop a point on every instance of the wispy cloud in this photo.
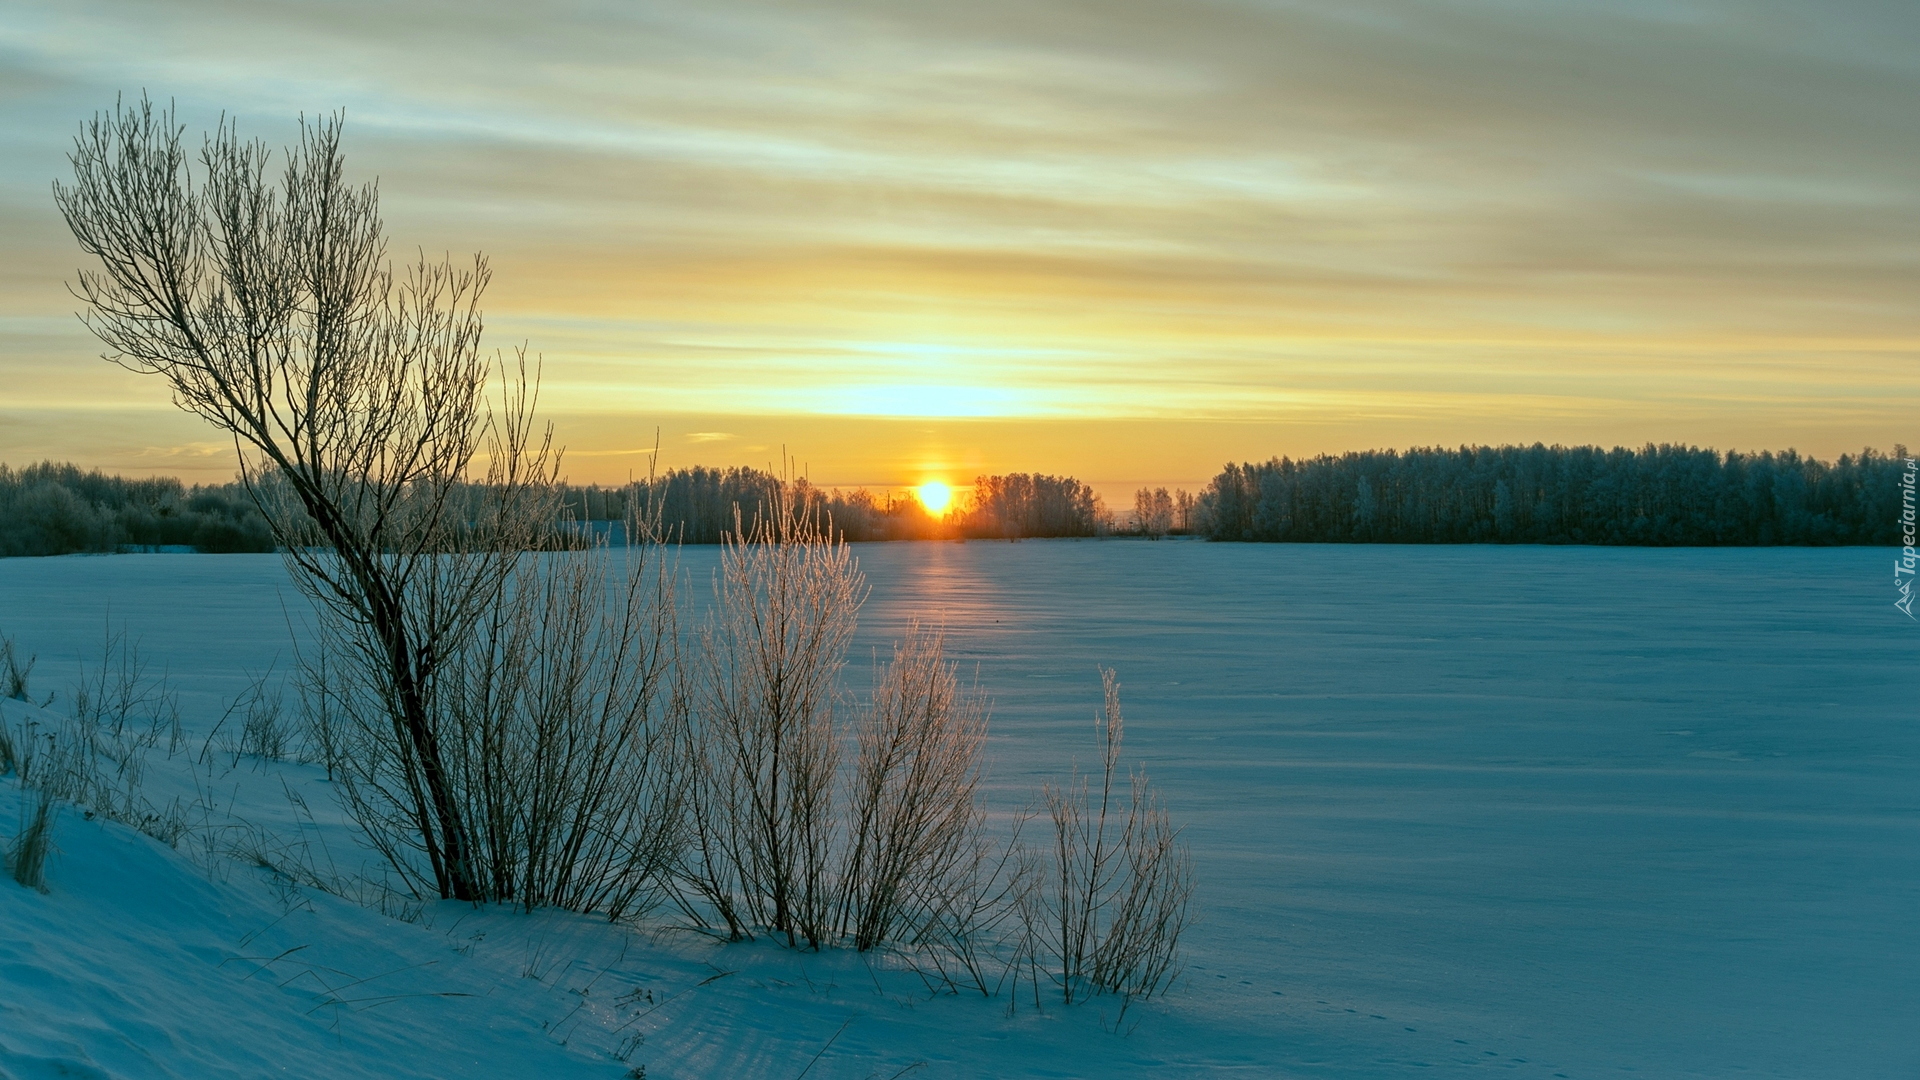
(1337, 213)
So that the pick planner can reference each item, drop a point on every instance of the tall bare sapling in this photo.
(354, 395)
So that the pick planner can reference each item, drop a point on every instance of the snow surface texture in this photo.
(1553, 811)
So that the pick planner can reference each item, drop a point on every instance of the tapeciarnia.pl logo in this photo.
(1903, 566)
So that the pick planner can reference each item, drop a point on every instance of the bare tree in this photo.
(356, 399)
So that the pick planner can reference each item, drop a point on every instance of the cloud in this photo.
(186, 455)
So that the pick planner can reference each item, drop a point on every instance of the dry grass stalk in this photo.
(27, 851)
(118, 692)
(13, 673)
(96, 757)
(1113, 897)
(264, 731)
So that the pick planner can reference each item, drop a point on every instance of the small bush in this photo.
(263, 729)
(120, 692)
(559, 724)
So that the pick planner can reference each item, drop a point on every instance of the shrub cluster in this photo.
(600, 757)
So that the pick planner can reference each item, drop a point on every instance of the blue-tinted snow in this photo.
(1555, 810)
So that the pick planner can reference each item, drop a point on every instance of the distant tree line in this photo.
(698, 506)
(50, 509)
(1655, 496)
(60, 509)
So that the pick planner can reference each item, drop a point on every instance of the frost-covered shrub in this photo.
(864, 835)
(913, 828)
(764, 750)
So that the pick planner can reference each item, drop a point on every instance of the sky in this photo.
(1123, 240)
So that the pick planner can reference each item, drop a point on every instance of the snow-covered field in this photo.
(1558, 811)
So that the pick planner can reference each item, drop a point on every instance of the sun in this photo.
(935, 496)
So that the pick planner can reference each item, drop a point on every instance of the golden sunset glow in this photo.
(935, 496)
(1123, 243)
